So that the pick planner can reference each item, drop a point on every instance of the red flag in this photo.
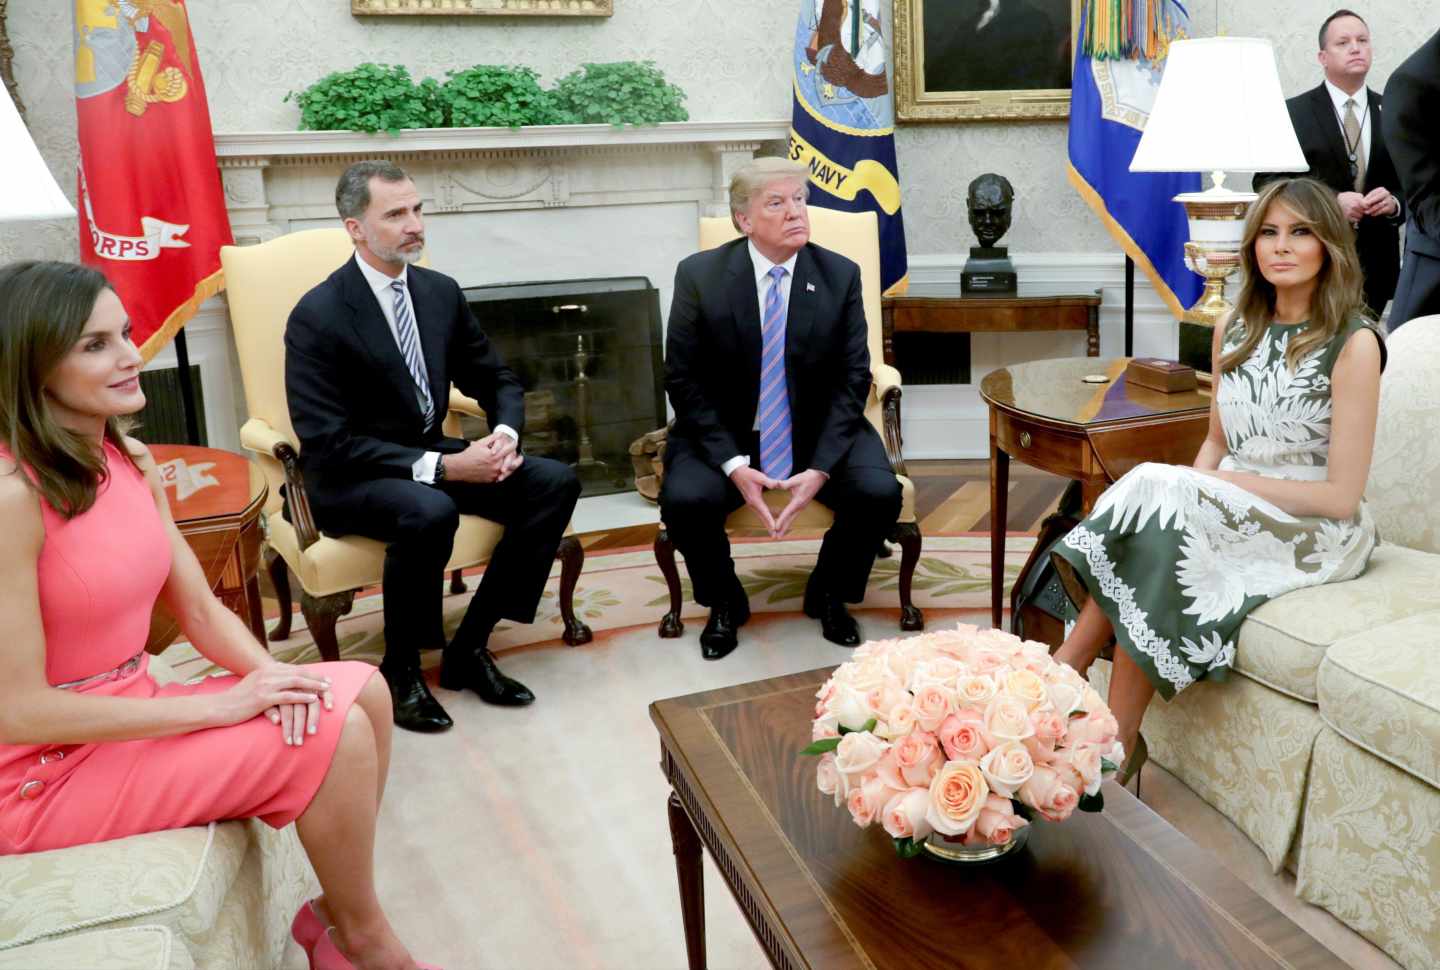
(152, 210)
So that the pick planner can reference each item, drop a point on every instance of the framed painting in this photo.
(983, 60)
(493, 8)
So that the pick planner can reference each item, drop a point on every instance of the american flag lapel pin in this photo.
(809, 287)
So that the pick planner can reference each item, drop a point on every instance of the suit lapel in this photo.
(1329, 127)
(804, 292)
(374, 335)
(746, 307)
(432, 326)
(1377, 166)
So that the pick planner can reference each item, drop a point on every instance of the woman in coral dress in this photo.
(1172, 558)
(91, 747)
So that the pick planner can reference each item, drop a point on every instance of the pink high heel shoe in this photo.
(327, 956)
(307, 927)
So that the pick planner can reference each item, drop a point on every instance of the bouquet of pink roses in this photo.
(968, 733)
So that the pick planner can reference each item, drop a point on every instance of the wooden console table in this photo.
(215, 497)
(990, 314)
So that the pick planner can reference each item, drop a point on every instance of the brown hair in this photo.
(44, 307)
(1337, 297)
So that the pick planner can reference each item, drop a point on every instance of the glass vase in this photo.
(940, 847)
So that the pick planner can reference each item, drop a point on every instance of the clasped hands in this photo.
(290, 696)
(1376, 202)
(493, 458)
(802, 487)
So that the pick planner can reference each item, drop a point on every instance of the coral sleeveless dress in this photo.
(99, 575)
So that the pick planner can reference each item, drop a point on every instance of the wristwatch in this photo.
(439, 468)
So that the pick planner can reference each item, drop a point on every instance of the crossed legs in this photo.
(1130, 689)
(338, 832)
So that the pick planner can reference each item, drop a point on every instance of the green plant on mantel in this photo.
(370, 97)
(504, 97)
(619, 93)
(383, 97)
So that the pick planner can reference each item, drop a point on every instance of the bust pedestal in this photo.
(988, 271)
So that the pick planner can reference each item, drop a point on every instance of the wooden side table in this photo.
(1043, 414)
(990, 314)
(216, 497)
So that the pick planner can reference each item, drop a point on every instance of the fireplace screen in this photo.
(589, 355)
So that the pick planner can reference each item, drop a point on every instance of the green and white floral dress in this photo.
(1177, 558)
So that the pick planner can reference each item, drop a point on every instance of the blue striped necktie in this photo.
(775, 454)
(409, 339)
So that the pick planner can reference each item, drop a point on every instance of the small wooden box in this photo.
(1168, 376)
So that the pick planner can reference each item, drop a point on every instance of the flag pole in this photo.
(187, 389)
(1129, 306)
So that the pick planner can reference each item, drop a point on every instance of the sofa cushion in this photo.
(175, 879)
(131, 948)
(1381, 690)
(1282, 642)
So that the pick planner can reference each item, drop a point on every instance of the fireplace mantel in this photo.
(279, 181)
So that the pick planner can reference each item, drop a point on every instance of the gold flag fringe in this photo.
(204, 290)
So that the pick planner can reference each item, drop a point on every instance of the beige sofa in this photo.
(215, 896)
(1325, 749)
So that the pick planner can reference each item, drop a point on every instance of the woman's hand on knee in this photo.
(284, 692)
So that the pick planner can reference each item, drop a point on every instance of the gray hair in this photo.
(754, 175)
(352, 192)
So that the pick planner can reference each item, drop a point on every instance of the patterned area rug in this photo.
(624, 589)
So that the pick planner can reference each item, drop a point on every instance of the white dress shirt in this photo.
(1362, 117)
(424, 468)
(763, 267)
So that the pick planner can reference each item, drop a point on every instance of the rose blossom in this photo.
(858, 752)
(867, 799)
(917, 755)
(997, 822)
(900, 720)
(849, 707)
(963, 739)
(986, 660)
(957, 793)
(827, 776)
(932, 703)
(1097, 727)
(1007, 767)
(1064, 697)
(824, 727)
(937, 670)
(1007, 719)
(881, 699)
(904, 815)
(975, 690)
(1090, 699)
(1085, 758)
(1049, 731)
(1026, 686)
(1048, 795)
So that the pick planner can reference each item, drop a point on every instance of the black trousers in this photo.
(418, 523)
(696, 497)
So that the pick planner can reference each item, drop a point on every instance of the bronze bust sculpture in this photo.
(989, 270)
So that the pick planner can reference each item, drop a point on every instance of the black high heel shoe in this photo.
(1133, 764)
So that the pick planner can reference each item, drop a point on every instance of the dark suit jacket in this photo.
(1323, 142)
(1412, 127)
(352, 400)
(712, 355)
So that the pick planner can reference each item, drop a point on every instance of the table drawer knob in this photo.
(1024, 439)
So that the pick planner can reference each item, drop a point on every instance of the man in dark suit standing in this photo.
(1338, 124)
(1412, 127)
(768, 371)
(369, 358)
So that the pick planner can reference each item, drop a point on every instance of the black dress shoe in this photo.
(479, 673)
(720, 635)
(416, 709)
(836, 623)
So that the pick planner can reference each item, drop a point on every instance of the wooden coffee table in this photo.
(1121, 889)
(1043, 413)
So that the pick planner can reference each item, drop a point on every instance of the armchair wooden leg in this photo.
(908, 535)
(670, 625)
(457, 582)
(279, 574)
(572, 559)
(321, 612)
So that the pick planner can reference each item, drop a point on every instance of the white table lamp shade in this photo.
(1219, 107)
(27, 189)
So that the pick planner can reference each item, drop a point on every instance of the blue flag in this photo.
(843, 122)
(1118, 64)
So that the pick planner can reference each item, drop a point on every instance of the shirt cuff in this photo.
(424, 468)
(505, 429)
(734, 463)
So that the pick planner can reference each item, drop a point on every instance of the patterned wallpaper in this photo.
(731, 57)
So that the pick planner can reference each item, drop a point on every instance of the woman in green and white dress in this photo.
(1171, 558)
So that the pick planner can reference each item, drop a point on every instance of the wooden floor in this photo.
(950, 496)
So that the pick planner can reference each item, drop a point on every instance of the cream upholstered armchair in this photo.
(855, 235)
(263, 284)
